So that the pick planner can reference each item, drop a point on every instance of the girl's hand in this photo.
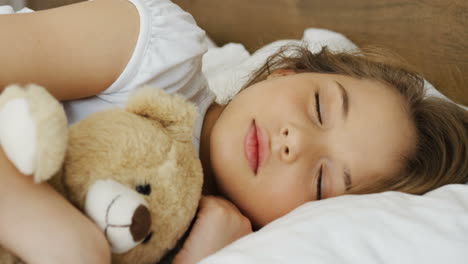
(218, 224)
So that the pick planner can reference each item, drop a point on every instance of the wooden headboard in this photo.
(431, 34)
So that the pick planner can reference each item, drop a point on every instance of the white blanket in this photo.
(389, 227)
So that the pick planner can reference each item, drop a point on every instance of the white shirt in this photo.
(168, 55)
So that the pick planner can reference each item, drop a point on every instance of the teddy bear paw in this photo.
(33, 130)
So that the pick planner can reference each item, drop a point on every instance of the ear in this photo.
(280, 72)
(174, 112)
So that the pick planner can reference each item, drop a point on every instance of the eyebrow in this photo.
(347, 179)
(345, 99)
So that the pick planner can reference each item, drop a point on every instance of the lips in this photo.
(255, 147)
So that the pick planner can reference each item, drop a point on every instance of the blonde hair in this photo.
(440, 155)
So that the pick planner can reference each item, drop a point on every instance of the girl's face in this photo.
(295, 138)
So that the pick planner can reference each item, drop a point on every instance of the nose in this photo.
(290, 145)
(293, 143)
(141, 223)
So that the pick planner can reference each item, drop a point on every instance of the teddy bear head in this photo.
(135, 172)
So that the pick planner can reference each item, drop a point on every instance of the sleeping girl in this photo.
(306, 127)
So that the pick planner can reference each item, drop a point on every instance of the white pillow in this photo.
(389, 227)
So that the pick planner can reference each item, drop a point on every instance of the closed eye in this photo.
(319, 184)
(317, 107)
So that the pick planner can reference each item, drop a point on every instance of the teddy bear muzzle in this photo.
(120, 212)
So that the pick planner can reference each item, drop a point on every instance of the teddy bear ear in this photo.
(171, 110)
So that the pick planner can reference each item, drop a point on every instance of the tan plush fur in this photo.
(147, 143)
(51, 127)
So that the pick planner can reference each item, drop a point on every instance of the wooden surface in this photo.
(430, 34)
(46, 4)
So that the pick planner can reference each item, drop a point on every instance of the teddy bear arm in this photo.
(33, 130)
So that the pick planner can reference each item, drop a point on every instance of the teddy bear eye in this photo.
(144, 189)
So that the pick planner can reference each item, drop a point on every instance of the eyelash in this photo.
(319, 185)
(317, 107)
(319, 179)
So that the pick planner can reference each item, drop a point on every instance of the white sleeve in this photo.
(167, 55)
(7, 9)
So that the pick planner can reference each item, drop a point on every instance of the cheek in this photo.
(226, 155)
(273, 196)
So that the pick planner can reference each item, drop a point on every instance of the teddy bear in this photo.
(133, 171)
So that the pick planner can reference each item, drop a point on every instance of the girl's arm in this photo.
(73, 51)
(40, 226)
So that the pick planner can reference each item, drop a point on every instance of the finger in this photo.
(212, 201)
(207, 204)
(226, 204)
(206, 201)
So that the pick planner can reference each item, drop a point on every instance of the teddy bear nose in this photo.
(141, 223)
